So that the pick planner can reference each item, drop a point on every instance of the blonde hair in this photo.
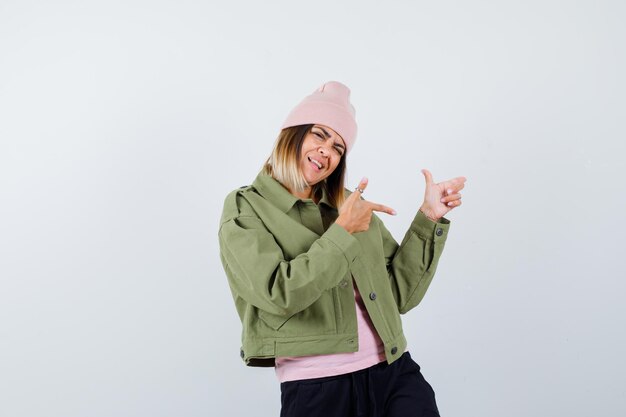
(284, 166)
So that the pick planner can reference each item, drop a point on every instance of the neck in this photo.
(307, 193)
(304, 194)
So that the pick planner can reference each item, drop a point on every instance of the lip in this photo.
(314, 165)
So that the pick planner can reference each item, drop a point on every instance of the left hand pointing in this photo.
(440, 198)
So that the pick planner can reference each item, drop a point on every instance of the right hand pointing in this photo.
(355, 214)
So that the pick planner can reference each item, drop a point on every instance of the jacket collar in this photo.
(275, 192)
(326, 200)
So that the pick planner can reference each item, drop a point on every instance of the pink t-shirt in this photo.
(371, 351)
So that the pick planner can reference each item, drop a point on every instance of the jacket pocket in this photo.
(338, 310)
(273, 320)
(319, 318)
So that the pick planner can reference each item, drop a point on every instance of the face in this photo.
(322, 150)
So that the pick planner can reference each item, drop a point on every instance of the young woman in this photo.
(319, 282)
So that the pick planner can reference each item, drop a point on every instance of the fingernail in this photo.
(450, 203)
(450, 191)
(442, 200)
(393, 212)
(363, 179)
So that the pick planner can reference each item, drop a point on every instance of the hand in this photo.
(442, 197)
(355, 214)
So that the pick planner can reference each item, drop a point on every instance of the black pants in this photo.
(396, 390)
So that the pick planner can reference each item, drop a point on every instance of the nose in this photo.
(323, 149)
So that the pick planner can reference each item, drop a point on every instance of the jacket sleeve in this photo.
(259, 273)
(412, 264)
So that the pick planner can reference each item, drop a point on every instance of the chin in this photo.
(314, 181)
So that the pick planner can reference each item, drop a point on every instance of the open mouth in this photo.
(317, 163)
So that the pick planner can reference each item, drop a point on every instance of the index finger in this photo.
(457, 183)
(381, 208)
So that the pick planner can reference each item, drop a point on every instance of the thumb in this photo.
(361, 186)
(363, 183)
(428, 176)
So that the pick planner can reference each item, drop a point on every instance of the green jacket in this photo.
(291, 271)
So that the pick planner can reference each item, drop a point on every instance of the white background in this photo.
(123, 124)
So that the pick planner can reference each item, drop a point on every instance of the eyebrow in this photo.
(328, 136)
(323, 130)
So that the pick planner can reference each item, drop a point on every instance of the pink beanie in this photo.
(330, 106)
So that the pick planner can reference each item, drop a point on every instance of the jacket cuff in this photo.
(425, 227)
(346, 243)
